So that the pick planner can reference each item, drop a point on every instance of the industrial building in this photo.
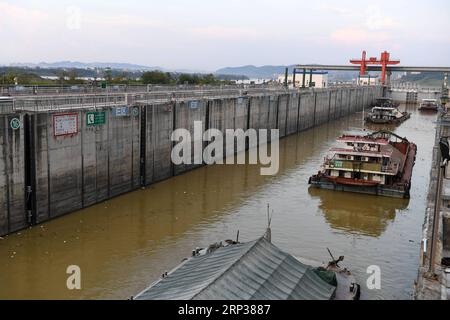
(319, 79)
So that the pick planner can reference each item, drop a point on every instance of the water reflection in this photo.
(358, 213)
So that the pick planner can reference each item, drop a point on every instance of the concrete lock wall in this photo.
(283, 101)
(292, 114)
(132, 148)
(259, 112)
(332, 105)
(78, 170)
(186, 113)
(159, 127)
(321, 110)
(12, 176)
(307, 106)
(221, 117)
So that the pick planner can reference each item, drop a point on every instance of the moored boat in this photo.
(379, 163)
(385, 102)
(387, 115)
(429, 105)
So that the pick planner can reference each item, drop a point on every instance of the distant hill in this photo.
(424, 79)
(83, 65)
(414, 77)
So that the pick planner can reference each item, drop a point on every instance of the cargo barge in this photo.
(385, 102)
(387, 115)
(379, 163)
(429, 105)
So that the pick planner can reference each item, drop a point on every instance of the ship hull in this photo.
(378, 190)
(393, 121)
(429, 108)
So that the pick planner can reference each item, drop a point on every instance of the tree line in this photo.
(19, 76)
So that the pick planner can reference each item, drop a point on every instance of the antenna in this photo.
(331, 254)
(268, 234)
(335, 262)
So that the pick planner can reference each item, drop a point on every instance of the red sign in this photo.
(65, 124)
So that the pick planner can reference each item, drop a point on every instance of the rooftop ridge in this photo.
(229, 267)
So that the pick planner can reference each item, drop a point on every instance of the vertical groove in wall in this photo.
(174, 127)
(82, 161)
(298, 110)
(315, 106)
(5, 152)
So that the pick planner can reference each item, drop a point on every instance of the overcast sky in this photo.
(209, 34)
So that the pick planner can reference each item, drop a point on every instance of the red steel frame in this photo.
(384, 62)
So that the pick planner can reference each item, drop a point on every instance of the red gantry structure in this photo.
(384, 62)
(384, 65)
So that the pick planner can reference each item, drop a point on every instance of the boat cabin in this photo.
(372, 159)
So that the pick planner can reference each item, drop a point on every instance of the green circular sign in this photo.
(15, 123)
(135, 111)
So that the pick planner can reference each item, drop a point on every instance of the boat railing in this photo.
(390, 168)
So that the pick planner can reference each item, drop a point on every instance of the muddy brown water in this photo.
(124, 244)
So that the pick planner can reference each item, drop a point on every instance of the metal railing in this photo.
(60, 102)
(38, 103)
(406, 86)
(89, 89)
(336, 163)
(48, 103)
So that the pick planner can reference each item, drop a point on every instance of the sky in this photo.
(205, 35)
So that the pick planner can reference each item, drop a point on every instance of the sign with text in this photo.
(193, 104)
(65, 124)
(95, 118)
(121, 111)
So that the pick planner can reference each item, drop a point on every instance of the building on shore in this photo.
(368, 80)
(319, 79)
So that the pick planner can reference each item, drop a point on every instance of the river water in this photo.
(124, 244)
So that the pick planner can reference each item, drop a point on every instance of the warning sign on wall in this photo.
(65, 124)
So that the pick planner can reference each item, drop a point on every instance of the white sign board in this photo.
(121, 111)
(65, 124)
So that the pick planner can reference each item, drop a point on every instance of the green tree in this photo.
(7, 78)
(156, 77)
(108, 75)
(209, 79)
(185, 78)
(62, 74)
(73, 76)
